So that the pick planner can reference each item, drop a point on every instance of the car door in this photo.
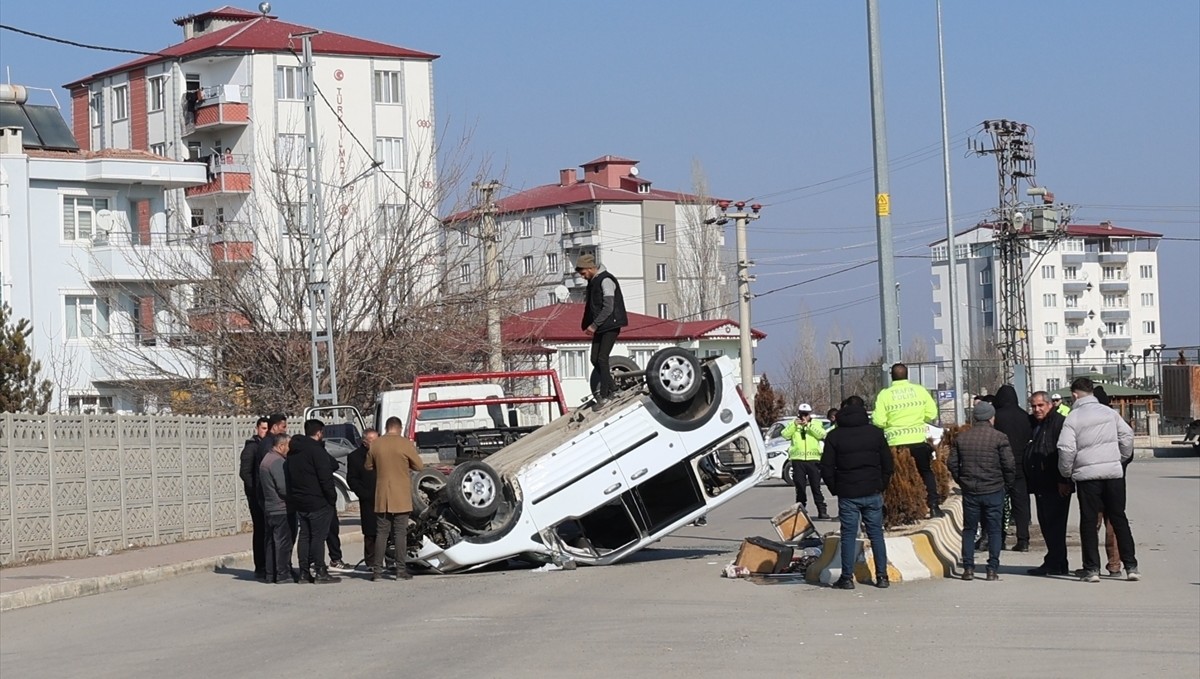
(571, 480)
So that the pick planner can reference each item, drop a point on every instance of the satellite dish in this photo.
(633, 172)
(264, 7)
(561, 293)
(104, 219)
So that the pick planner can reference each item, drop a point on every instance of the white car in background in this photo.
(780, 467)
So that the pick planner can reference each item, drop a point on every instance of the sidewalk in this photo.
(50, 581)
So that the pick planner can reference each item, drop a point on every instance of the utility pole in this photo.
(889, 308)
(956, 366)
(491, 267)
(320, 325)
(740, 219)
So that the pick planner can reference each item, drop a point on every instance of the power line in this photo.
(72, 43)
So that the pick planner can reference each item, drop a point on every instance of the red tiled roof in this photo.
(611, 159)
(560, 323)
(119, 154)
(262, 34)
(551, 195)
(1077, 230)
(223, 12)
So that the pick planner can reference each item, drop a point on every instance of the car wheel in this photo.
(474, 490)
(673, 375)
(426, 484)
(618, 366)
(787, 474)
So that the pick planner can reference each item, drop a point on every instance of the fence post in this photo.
(50, 465)
(87, 482)
(121, 480)
(212, 493)
(183, 477)
(12, 485)
(155, 509)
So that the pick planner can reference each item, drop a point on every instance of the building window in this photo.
(662, 311)
(289, 83)
(1053, 383)
(157, 92)
(1070, 273)
(1150, 327)
(1147, 270)
(293, 218)
(552, 262)
(1113, 356)
(1073, 330)
(290, 150)
(551, 225)
(660, 273)
(1115, 328)
(553, 297)
(641, 356)
(90, 405)
(573, 363)
(985, 277)
(660, 233)
(1052, 355)
(96, 108)
(1115, 302)
(387, 87)
(86, 316)
(464, 273)
(962, 251)
(1048, 271)
(1051, 329)
(587, 219)
(1147, 299)
(390, 151)
(526, 227)
(940, 253)
(1049, 300)
(79, 217)
(985, 304)
(159, 150)
(1113, 273)
(1071, 301)
(981, 249)
(393, 216)
(1074, 356)
(120, 95)
(530, 303)
(462, 236)
(527, 265)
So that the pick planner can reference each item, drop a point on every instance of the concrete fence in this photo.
(73, 485)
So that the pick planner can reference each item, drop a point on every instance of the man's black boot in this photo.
(324, 578)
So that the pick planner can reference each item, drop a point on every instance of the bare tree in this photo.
(702, 288)
(918, 350)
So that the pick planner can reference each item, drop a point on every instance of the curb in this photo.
(73, 589)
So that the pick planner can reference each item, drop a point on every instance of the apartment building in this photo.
(74, 225)
(669, 262)
(1092, 299)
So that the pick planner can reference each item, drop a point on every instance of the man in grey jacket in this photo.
(1093, 444)
(273, 494)
(981, 462)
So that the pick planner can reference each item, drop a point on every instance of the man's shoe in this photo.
(1132, 574)
(1089, 576)
(1021, 546)
(702, 521)
(844, 582)
(936, 512)
(968, 573)
(376, 576)
(403, 574)
(338, 565)
(324, 578)
(1043, 570)
(599, 401)
(259, 575)
(822, 516)
(306, 575)
(882, 582)
(992, 576)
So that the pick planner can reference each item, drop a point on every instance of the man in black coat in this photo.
(1013, 421)
(362, 483)
(1052, 489)
(248, 471)
(603, 317)
(857, 466)
(981, 462)
(313, 496)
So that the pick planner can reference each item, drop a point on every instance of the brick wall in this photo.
(81, 124)
(139, 137)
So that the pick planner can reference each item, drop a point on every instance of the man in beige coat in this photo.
(393, 458)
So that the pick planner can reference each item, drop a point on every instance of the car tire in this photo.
(673, 375)
(618, 366)
(425, 484)
(474, 491)
(787, 474)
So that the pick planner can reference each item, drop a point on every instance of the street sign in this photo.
(945, 395)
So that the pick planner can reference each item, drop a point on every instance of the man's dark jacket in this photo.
(1013, 421)
(1041, 458)
(248, 465)
(309, 471)
(981, 460)
(857, 461)
(362, 482)
(595, 303)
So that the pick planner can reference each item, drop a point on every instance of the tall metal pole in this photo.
(741, 218)
(491, 268)
(955, 327)
(320, 326)
(841, 347)
(889, 309)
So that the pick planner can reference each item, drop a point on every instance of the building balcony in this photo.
(210, 320)
(146, 355)
(231, 243)
(1075, 315)
(1114, 285)
(222, 107)
(581, 239)
(1116, 342)
(228, 173)
(1114, 257)
(143, 257)
(1114, 314)
(1080, 284)
(1077, 257)
(1076, 343)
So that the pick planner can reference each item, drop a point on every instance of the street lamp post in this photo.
(1157, 349)
(1134, 359)
(841, 347)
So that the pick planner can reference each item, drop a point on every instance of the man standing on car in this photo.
(805, 455)
(313, 497)
(393, 458)
(248, 471)
(272, 488)
(603, 317)
(1093, 444)
(1051, 489)
(857, 466)
(981, 462)
(901, 411)
(1013, 421)
(362, 483)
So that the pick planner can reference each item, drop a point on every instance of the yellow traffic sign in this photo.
(883, 204)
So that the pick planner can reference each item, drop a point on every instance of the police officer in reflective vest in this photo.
(806, 434)
(902, 411)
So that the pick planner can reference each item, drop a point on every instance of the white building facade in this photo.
(1092, 300)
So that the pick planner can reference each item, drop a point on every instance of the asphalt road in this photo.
(667, 613)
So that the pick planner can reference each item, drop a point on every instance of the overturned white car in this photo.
(677, 441)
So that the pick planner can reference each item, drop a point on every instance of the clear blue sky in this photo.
(772, 97)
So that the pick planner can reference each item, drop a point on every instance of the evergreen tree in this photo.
(768, 403)
(20, 389)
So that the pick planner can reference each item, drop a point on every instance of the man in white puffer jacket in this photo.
(1093, 444)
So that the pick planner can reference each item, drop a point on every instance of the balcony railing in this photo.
(227, 173)
(581, 239)
(1113, 342)
(1075, 314)
(1114, 257)
(217, 107)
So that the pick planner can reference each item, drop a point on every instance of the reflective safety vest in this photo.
(902, 410)
(806, 440)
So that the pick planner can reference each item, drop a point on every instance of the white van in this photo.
(676, 442)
